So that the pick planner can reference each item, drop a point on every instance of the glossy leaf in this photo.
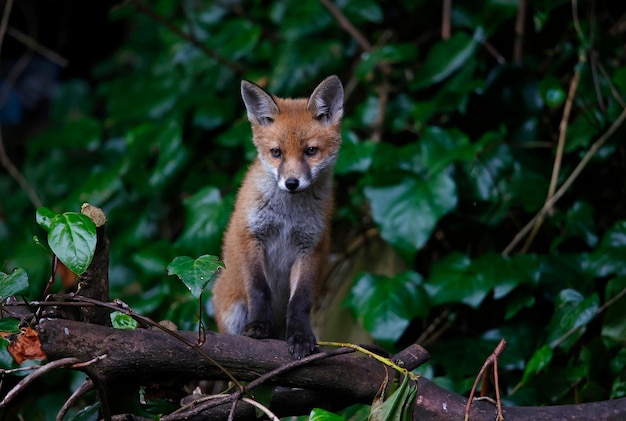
(453, 280)
(539, 361)
(195, 274)
(396, 407)
(319, 414)
(407, 212)
(614, 321)
(573, 312)
(447, 56)
(385, 306)
(120, 320)
(14, 283)
(71, 237)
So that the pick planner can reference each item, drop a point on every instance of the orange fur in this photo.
(278, 237)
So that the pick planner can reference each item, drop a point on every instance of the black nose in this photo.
(292, 183)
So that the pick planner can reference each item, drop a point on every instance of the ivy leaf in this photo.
(407, 212)
(540, 360)
(71, 237)
(195, 274)
(385, 306)
(207, 214)
(14, 283)
(447, 56)
(452, 281)
(573, 311)
(44, 217)
(120, 320)
(398, 406)
(319, 414)
(614, 321)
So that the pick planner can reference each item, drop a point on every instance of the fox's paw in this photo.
(257, 330)
(301, 344)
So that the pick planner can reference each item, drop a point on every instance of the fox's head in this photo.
(297, 139)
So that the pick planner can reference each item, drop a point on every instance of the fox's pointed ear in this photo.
(260, 105)
(326, 102)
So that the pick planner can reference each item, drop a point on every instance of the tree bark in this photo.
(141, 356)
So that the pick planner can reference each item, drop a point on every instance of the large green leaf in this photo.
(71, 237)
(453, 281)
(319, 414)
(207, 214)
(572, 314)
(614, 321)
(385, 306)
(407, 212)
(396, 407)
(195, 274)
(447, 56)
(14, 283)
(538, 362)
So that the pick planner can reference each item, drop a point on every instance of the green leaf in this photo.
(9, 325)
(88, 413)
(318, 414)
(120, 320)
(551, 91)
(6, 359)
(355, 157)
(385, 306)
(573, 312)
(447, 56)
(453, 281)
(44, 217)
(407, 212)
(397, 407)
(206, 215)
(195, 274)
(71, 237)
(539, 361)
(614, 321)
(14, 283)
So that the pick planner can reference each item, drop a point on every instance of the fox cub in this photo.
(278, 237)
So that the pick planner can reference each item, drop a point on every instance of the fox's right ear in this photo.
(260, 105)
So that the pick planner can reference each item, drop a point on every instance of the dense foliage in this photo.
(452, 144)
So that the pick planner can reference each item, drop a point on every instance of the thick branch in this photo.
(147, 355)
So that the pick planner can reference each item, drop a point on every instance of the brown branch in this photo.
(145, 355)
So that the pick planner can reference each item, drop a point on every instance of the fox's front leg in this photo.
(299, 335)
(259, 322)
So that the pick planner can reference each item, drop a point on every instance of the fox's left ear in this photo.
(326, 101)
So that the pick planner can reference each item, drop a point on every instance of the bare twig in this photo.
(568, 182)
(85, 387)
(491, 360)
(446, 13)
(347, 25)
(4, 158)
(560, 148)
(32, 44)
(5, 21)
(518, 43)
(64, 362)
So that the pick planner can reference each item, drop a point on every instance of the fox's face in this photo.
(297, 139)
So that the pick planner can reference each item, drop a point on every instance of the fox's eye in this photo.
(310, 151)
(276, 153)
